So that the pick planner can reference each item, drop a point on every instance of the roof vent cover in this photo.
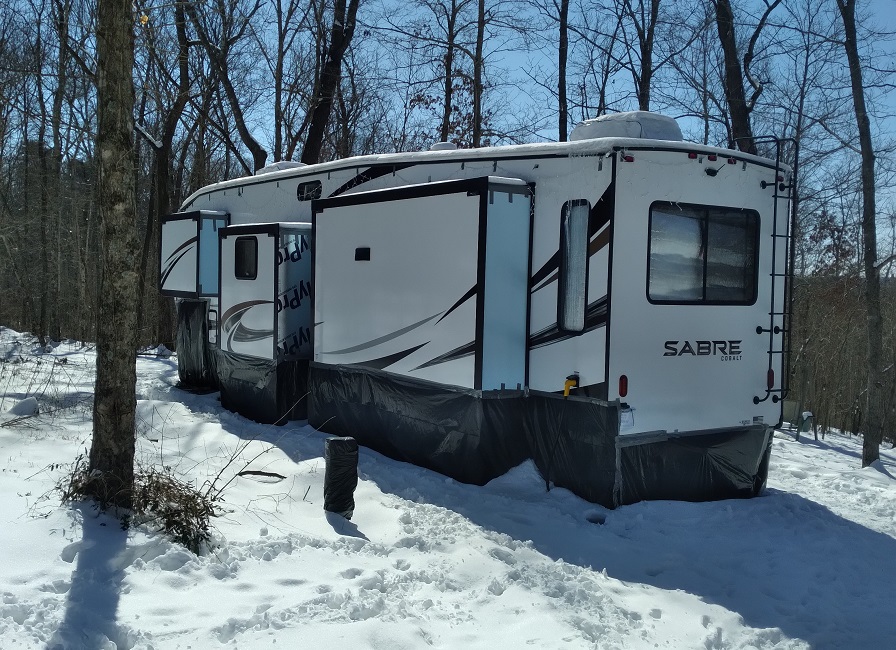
(443, 146)
(279, 166)
(633, 124)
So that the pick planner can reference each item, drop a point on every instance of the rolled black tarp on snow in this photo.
(341, 475)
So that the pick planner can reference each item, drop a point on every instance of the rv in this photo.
(613, 307)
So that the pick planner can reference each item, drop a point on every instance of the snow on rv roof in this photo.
(584, 147)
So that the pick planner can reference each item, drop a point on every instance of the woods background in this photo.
(227, 86)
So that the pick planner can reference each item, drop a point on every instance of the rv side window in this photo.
(309, 190)
(573, 275)
(246, 258)
(702, 255)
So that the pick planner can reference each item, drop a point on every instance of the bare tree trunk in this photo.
(447, 96)
(646, 37)
(477, 75)
(162, 330)
(562, 57)
(340, 38)
(874, 415)
(741, 130)
(61, 11)
(218, 57)
(112, 451)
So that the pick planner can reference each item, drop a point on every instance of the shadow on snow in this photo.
(779, 560)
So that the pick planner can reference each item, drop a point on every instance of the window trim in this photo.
(561, 278)
(705, 208)
(236, 257)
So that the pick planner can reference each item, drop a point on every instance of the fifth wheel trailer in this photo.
(652, 359)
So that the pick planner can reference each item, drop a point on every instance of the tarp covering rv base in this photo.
(475, 436)
(463, 433)
(193, 358)
(695, 467)
(472, 436)
(572, 441)
(262, 390)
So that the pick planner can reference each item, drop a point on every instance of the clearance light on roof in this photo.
(731, 161)
(628, 158)
(623, 385)
(692, 156)
(712, 156)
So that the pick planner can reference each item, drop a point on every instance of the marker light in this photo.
(623, 385)
(770, 379)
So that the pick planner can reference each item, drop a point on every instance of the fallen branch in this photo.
(257, 472)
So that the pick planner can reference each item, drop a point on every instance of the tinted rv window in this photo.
(309, 190)
(702, 255)
(573, 266)
(246, 258)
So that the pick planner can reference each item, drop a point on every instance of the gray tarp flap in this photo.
(262, 390)
(469, 435)
(697, 467)
(193, 357)
(573, 443)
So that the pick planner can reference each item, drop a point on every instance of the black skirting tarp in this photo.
(475, 436)
(731, 463)
(572, 441)
(193, 356)
(262, 390)
(470, 435)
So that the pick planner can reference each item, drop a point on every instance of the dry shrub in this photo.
(159, 500)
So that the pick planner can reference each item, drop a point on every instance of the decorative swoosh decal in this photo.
(192, 240)
(371, 173)
(384, 362)
(469, 294)
(232, 327)
(456, 353)
(601, 214)
(170, 267)
(383, 339)
(595, 316)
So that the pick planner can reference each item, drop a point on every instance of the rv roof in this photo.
(588, 147)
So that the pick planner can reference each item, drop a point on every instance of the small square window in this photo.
(246, 258)
(309, 191)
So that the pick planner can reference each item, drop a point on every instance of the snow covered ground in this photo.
(425, 561)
